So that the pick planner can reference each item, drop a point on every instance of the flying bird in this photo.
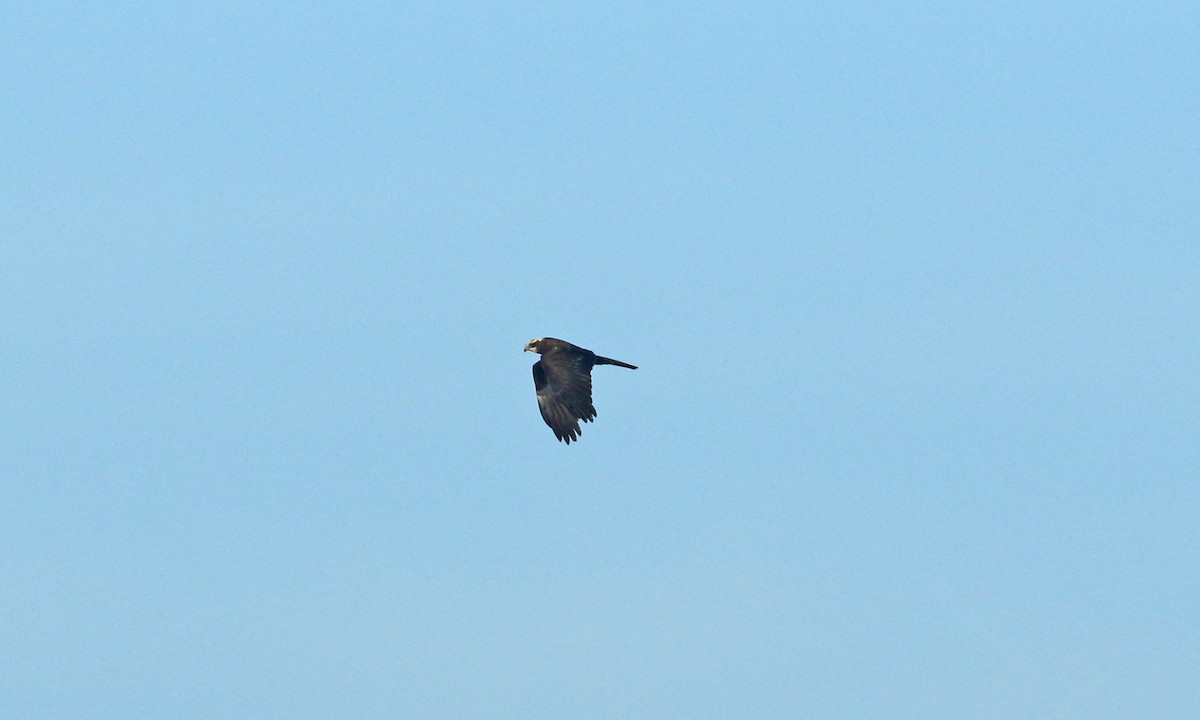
(563, 380)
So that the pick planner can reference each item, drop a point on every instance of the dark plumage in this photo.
(563, 380)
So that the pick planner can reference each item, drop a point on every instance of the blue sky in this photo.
(913, 289)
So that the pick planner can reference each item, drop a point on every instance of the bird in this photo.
(563, 381)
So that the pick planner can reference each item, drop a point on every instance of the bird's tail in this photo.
(610, 361)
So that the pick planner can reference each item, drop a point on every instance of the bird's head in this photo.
(532, 345)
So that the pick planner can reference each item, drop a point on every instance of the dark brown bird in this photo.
(563, 380)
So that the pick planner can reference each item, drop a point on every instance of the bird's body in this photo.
(563, 380)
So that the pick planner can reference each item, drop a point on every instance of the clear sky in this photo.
(914, 289)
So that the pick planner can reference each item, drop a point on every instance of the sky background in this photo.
(914, 289)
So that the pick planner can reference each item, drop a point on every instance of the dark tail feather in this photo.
(610, 361)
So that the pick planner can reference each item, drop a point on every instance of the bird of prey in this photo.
(563, 380)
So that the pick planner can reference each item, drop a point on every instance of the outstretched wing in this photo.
(564, 391)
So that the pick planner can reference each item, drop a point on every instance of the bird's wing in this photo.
(564, 392)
